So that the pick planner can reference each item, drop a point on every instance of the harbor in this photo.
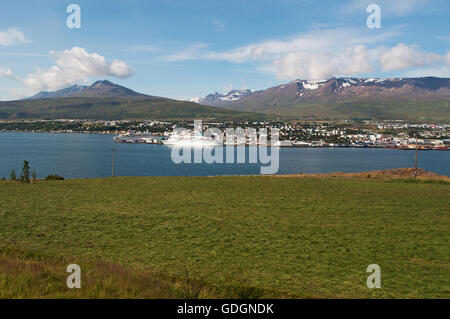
(139, 138)
(188, 139)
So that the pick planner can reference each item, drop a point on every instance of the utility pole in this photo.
(112, 162)
(415, 161)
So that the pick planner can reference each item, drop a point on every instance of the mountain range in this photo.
(395, 98)
(426, 98)
(108, 101)
(100, 89)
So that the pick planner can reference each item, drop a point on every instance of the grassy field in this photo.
(189, 237)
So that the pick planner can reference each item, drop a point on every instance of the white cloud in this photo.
(195, 51)
(323, 65)
(322, 53)
(12, 36)
(218, 25)
(317, 54)
(6, 72)
(403, 57)
(319, 40)
(119, 69)
(72, 66)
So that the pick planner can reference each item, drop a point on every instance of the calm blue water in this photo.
(88, 155)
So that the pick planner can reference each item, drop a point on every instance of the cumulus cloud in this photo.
(321, 40)
(6, 72)
(403, 57)
(12, 36)
(313, 41)
(322, 53)
(72, 66)
(317, 54)
(323, 65)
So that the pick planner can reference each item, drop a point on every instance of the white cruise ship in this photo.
(187, 138)
(133, 137)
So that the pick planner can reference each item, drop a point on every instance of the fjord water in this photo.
(89, 155)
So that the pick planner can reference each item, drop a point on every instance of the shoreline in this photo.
(404, 173)
(57, 132)
(384, 174)
(403, 148)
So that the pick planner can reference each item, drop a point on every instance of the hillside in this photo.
(115, 109)
(106, 100)
(412, 99)
(100, 89)
(398, 98)
(262, 236)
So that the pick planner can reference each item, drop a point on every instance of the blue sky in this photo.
(183, 49)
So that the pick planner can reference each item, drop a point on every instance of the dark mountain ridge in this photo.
(100, 89)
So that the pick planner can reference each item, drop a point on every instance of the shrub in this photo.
(54, 177)
(25, 176)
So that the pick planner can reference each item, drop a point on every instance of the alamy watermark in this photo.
(74, 279)
(374, 19)
(74, 19)
(234, 145)
(374, 280)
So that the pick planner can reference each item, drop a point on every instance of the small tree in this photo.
(13, 175)
(25, 176)
(33, 177)
(54, 177)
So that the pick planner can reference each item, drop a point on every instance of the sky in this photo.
(190, 48)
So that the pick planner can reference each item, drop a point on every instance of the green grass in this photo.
(29, 275)
(236, 236)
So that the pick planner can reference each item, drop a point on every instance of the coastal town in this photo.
(347, 133)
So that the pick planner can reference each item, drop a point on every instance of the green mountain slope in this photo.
(425, 98)
(437, 111)
(115, 108)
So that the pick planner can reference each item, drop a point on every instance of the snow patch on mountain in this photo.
(217, 98)
(196, 100)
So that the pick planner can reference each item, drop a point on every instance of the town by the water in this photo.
(347, 133)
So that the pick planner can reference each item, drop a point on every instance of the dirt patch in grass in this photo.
(380, 174)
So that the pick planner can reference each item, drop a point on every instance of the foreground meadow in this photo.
(207, 237)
